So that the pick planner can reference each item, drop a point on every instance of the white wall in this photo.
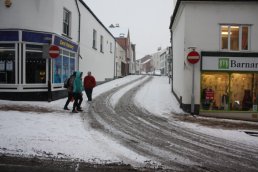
(100, 64)
(39, 15)
(178, 54)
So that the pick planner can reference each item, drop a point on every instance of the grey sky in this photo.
(147, 20)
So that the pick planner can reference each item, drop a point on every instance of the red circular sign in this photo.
(193, 57)
(54, 51)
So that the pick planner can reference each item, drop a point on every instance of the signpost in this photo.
(193, 57)
(54, 51)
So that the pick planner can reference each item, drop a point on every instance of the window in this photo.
(234, 37)
(63, 66)
(94, 43)
(7, 63)
(67, 23)
(111, 47)
(101, 43)
(229, 91)
(35, 62)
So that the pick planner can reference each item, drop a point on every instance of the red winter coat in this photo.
(89, 82)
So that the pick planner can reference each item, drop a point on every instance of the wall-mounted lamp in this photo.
(8, 3)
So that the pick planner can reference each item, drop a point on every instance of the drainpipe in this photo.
(79, 30)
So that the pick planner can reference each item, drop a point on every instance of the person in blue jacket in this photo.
(77, 92)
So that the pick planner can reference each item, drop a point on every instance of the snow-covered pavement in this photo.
(67, 135)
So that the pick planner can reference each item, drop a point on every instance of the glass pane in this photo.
(244, 38)
(214, 95)
(241, 92)
(57, 68)
(35, 68)
(72, 65)
(224, 37)
(234, 38)
(66, 72)
(255, 93)
(7, 67)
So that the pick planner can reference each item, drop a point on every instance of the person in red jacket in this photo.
(89, 84)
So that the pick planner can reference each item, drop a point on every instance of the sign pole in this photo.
(193, 57)
(192, 96)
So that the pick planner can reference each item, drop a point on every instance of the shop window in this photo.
(67, 22)
(234, 38)
(63, 67)
(35, 68)
(7, 64)
(215, 91)
(241, 89)
(57, 69)
(240, 95)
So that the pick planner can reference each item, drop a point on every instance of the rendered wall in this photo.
(100, 64)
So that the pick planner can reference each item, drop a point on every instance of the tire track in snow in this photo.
(164, 140)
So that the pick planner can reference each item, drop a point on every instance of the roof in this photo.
(179, 2)
(88, 8)
(119, 32)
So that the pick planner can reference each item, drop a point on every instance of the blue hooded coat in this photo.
(77, 84)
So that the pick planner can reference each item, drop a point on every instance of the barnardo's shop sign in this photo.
(230, 63)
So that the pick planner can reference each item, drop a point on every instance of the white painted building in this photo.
(225, 33)
(27, 27)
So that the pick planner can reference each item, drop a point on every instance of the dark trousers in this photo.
(89, 93)
(77, 100)
(69, 98)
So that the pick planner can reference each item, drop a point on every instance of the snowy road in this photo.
(163, 140)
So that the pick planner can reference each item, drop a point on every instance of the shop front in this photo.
(229, 83)
(26, 70)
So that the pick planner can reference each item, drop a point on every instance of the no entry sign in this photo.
(193, 57)
(54, 51)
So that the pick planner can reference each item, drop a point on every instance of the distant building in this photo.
(122, 36)
(225, 33)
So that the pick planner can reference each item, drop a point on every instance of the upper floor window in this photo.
(94, 43)
(235, 37)
(111, 47)
(67, 23)
(101, 43)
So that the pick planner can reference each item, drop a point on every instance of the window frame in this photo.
(67, 32)
(239, 37)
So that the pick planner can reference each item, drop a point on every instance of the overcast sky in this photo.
(147, 20)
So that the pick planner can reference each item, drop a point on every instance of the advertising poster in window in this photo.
(72, 65)
(57, 70)
(66, 73)
(9, 65)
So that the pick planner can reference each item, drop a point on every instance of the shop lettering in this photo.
(235, 64)
(66, 44)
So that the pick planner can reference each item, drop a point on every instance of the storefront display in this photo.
(229, 91)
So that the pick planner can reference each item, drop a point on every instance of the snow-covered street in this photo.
(131, 120)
